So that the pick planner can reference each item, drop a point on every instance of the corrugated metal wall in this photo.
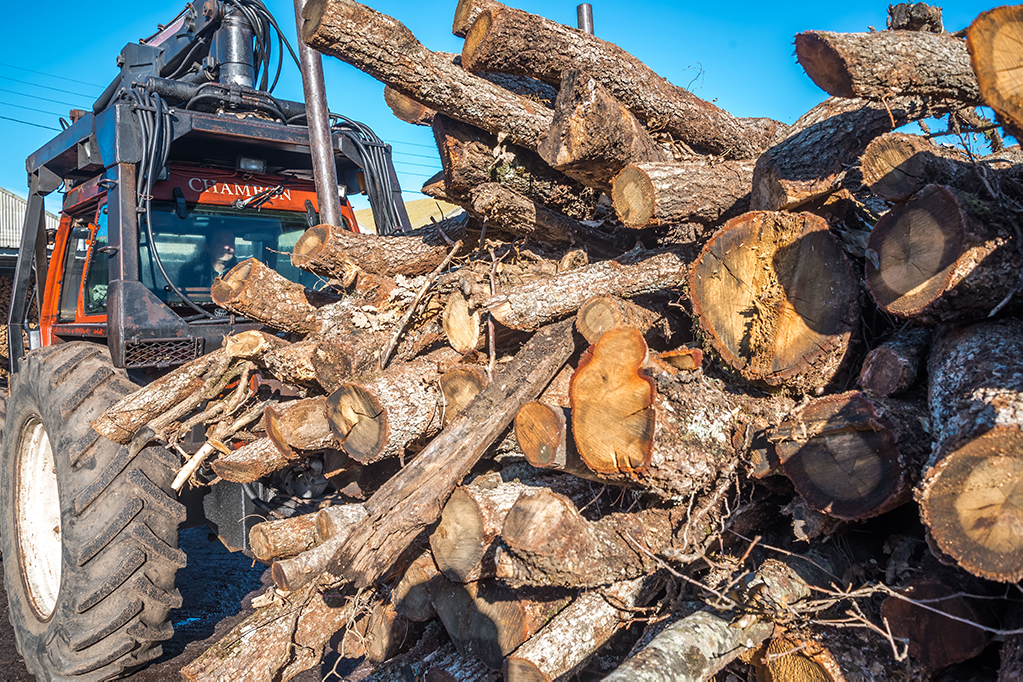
(12, 219)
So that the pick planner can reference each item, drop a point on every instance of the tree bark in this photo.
(282, 639)
(851, 457)
(122, 419)
(386, 50)
(943, 256)
(343, 357)
(472, 157)
(283, 538)
(299, 426)
(970, 495)
(893, 367)
(935, 641)
(414, 498)
(509, 212)
(593, 135)
(578, 631)
(991, 40)
(329, 251)
(777, 298)
(883, 64)
(698, 646)
(637, 272)
(512, 41)
(250, 462)
(383, 416)
(337, 519)
(261, 294)
(819, 148)
(896, 166)
(1011, 668)
(702, 191)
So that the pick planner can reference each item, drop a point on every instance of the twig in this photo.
(430, 279)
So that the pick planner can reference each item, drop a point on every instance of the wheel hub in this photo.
(37, 509)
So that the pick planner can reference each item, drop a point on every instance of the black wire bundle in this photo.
(262, 21)
(153, 118)
(376, 169)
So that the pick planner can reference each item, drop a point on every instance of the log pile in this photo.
(609, 417)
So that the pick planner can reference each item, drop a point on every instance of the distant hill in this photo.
(419, 212)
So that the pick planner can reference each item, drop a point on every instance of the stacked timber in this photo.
(679, 391)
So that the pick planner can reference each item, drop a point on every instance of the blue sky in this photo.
(60, 55)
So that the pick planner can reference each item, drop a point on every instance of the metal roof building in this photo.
(12, 219)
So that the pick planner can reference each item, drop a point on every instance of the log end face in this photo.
(993, 41)
(972, 502)
(612, 404)
(913, 250)
(893, 166)
(540, 433)
(457, 542)
(358, 421)
(632, 193)
(309, 245)
(476, 38)
(226, 288)
(521, 670)
(823, 64)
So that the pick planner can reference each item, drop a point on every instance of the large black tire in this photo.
(118, 534)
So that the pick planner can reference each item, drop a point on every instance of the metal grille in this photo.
(161, 352)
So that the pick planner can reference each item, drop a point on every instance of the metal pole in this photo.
(317, 120)
(584, 13)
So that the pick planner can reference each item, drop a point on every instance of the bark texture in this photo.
(894, 366)
(255, 291)
(330, 251)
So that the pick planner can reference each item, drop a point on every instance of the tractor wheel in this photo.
(89, 534)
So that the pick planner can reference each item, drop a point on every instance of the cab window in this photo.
(97, 277)
(75, 254)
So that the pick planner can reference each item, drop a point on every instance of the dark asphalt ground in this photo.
(216, 587)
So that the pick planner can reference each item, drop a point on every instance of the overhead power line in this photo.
(46, 87)
(28, 123)
(19, 106)
(50, 75)
(45, 99)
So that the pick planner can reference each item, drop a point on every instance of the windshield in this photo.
(198, 243)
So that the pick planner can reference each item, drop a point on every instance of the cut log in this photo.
(252, 344)
(543, 434)
(777, 298)
(883, 64)
(935, 641)
(281, 639)
(411, 596)
(819, 655)
(970, 494)
(458, 388)
(636, 272)
(896, 166)
(675, 440)
(820, 148)
(293, 363)
(463, 543)
(511, 41)
(466, 13)
(698, 646)
(702, 191)
(853, 458)
(328, 251)
(414, 498)
(915, 16)
(343, 357)
(299, 426)
(471, 157)
(408, 109)
(122, 419)
(489, 620)
(992, 42)
(943, 256)
(593, 135)
(385, 49)
(893, 367)
(337, 519)
(250, 462)
(261, 294)
(509, 212)
(602, 313)
(383, 416)
(283, 538)
(578, 631)
(294, 573)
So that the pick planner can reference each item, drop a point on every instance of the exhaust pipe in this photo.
(584, 13)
